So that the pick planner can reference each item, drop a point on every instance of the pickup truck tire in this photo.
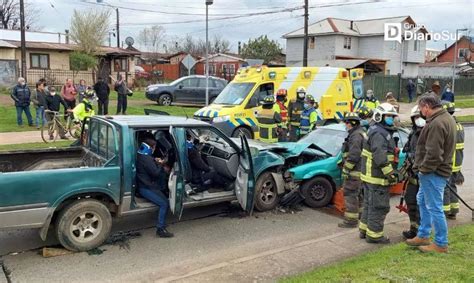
(242, 131)
(165, 99)
(318, 192)
(266, 193)
(83, 225)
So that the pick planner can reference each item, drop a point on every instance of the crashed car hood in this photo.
(285, 149)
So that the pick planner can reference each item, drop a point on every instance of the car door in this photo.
(177, 175)
(245, 181)
(190, 90)
(201, 91)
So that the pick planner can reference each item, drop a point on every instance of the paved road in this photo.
(224, 247)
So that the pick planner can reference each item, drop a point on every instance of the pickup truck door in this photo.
(245, 181)
(176, 181)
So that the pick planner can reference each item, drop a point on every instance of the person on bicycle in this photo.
(85, 108)
(53, 104)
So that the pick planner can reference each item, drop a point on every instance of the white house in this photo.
(336, 39)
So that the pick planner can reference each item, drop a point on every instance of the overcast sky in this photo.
(435, 15)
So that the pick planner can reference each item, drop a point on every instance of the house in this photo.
(431, 53)
(342, 39)
(223, 65)
(51, 60)
(463, 50)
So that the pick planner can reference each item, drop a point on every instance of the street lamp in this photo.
(208, 2)
(456, 56)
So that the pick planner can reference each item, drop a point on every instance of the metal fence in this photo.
(381, 84)
(58, 77)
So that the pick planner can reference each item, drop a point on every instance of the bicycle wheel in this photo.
(49, 133)
(74, 129)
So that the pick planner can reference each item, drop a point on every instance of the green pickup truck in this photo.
(80, 189)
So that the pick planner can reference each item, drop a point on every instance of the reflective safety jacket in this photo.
(83, 110)
(410, 149)
(268, 120)
(308, 120)
(371, 103)
(283, 114)
(378, 156)
(295, 109)
(458, 155)
(352, 149)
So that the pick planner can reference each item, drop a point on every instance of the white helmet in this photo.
(415, 111)
(384, 109)
(301, 92)
(301, 89)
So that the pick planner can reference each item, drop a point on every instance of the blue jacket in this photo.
(447, 96)
(21, 95)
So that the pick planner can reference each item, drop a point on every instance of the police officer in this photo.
(351, 152)
(268, 119)
(412, 186)
(282, 129)
(378, 174)
(370, 100)
(365, 114)
(295, 108)
(309, 115)
(450, 201)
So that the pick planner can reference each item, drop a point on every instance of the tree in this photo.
(10, 15)
(90, 29)
(261, 48)
(152, 38)
(80, 61)
(194, 46)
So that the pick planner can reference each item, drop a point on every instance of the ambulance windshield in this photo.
(234, 94)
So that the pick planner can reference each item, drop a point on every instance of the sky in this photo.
(436, 15)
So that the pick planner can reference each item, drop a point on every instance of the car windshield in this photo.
(234, 93)
(329, 140)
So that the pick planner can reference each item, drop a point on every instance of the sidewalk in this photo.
(20, 137)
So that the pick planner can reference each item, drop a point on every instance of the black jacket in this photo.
(102, 90)
(21, 95)
(352, 150)
(148, 173)
(39, 99)
(198, 166)
(53, 102)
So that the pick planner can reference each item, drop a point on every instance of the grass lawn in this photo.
(467, 103)
(400, 263)
(468, 118)
(37, 145)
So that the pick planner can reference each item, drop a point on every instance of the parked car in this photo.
(186, 90)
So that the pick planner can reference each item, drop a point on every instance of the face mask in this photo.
(306, 106)
(388, 121)
(280, 98)
(420, 122)
(301, 95)
(189, 144)
(364, 123)
(145, 149)
(22, 84)
(448, 90)
(52, 93)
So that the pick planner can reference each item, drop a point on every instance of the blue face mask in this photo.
(306, 106)
(364, 123)
(389, 121)
(145, 149)
(189, 144)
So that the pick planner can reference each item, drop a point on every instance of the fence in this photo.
(58, 77)
(381, 84)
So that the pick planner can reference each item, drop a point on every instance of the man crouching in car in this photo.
(152, 183)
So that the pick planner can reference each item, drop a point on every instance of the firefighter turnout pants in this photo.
(375, 208)
(450, 201)
(410, 198)
(294, 132)
(282, 134)
(353, 199)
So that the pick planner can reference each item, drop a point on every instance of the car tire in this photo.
(318, 192)
(242, 131)
(83, 225)
(266, 193)
(165, 99)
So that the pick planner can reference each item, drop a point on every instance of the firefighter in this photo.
(295, 109)
(450, 201)
(370, 100)
(351, 150)
(378, 174)
(309, 116)
(365, 114)
(268, 120)
(282, 129)
(412, 185)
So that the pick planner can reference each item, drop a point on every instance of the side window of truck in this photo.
(260, 93)
(102, 140)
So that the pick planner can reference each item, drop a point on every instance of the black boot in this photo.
(381, 240)
(409, 234)
(163, 233)
(348, 224)
(362, 235)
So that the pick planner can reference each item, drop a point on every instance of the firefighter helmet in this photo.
(301, 89)
(415, 111)
(268, 100)
(282, 92)
(309, 98)
(351, 117)
(365, 112)
(449, 106)
(382, 110)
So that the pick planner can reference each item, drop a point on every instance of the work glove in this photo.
(393, 178)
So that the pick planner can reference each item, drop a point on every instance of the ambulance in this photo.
(234, 110)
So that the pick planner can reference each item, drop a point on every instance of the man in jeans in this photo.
(21, 94)
(39, 101)
(433, 162)
(68, 93)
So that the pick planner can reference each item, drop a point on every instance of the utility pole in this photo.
(305, 41)
(118, 27)
(23, 40)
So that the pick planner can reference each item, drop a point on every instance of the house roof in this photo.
(69, 47)
(231, 57)
(470, 39)
(343, 26)
(442, 64)
(154, 55)
(3, 43)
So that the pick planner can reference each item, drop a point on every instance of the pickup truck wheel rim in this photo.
(317, 192)
(267, 194)
(86, 227)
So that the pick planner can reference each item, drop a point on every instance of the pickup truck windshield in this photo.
(234, 93)
(328, 139)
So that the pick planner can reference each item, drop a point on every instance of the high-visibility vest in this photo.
(307, 121)
(295, 110)
(283, 114)
(371, 103)
(458, 155)
(267, 124)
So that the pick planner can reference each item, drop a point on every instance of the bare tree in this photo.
(90, 29)
(10, 15)
(194, 46)
(152, 38)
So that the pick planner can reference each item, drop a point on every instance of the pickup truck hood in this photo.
(215, 110)
(285, 149)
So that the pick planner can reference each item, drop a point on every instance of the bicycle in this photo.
(55, 126)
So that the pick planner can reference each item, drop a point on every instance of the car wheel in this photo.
(242, 131)
(83, 225)
(317, 192)
(165, 99)
(266, 193)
